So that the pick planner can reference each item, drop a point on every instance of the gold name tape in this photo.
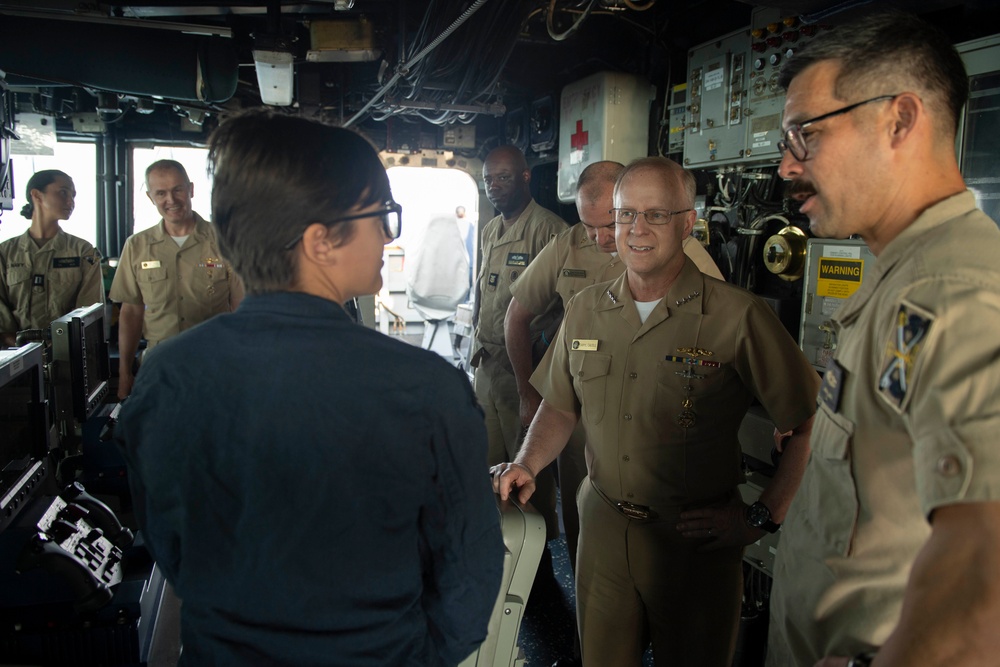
(155, 264)
(587, 345)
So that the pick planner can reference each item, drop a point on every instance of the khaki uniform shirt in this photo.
(627, 380)
(180, 286)
(569, 263)
(908, 422)
(38, 285)
(572, 261)
(504, 259)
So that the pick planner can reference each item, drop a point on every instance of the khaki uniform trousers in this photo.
(640, 581)
(496, 389)
(572, 472)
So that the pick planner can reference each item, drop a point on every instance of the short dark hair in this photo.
(167, 164)
(39, 181)
(890, 52)
(274, 175)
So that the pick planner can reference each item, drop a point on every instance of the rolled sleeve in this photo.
(773, 366)
(953, 411)
(553, 378)
(124, 286)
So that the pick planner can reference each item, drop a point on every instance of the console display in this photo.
(23, 428)
(81, 372)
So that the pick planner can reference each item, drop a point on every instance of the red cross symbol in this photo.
(578, 139)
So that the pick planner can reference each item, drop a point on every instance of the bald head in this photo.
(509, 154)
(594, 199)
(597, 179)
(679, 179)
(507, 179)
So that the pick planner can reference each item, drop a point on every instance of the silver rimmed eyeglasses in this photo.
(795, 139)
(392, 221)
(607, 225)
(654, 216)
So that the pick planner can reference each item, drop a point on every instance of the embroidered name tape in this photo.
(518, 258)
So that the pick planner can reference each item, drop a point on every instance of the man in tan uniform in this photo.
(578, 257)
(892, 546)
(508, 243)
(172, 276)
(661, 365)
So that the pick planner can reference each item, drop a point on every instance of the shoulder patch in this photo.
(911, 328)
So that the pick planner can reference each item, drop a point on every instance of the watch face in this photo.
(758, 514)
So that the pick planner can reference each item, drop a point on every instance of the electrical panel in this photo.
(735, 104)
(601, 117)
(516, 129)
(543, 124)
(458, 135)
(717, 82)
(676, 118)
(834, 271)
(774, 39)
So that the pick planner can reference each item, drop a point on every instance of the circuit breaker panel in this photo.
(734, 101)
(835, 269)
(717, 81)
(772, 42)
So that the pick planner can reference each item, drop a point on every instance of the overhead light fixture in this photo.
(274, 76)
(144, 106)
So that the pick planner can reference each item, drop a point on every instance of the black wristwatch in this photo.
(863, 659)
(758, 516)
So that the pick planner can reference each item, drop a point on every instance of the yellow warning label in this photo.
(839, 278)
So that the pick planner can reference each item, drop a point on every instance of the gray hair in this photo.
(668, 168)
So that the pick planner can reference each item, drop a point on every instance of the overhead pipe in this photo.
(403, 69)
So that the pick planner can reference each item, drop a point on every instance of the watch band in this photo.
(769, 525)
(863, 659)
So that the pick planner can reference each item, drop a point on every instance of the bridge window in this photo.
(80, 162)
(195, 161)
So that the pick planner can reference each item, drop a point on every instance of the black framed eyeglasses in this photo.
(392, 222)
(795, 140)
(654, 216)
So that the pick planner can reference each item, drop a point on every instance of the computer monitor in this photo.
(81, 370)
(24, 429)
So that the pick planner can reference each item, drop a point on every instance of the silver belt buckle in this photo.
(633, 511)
